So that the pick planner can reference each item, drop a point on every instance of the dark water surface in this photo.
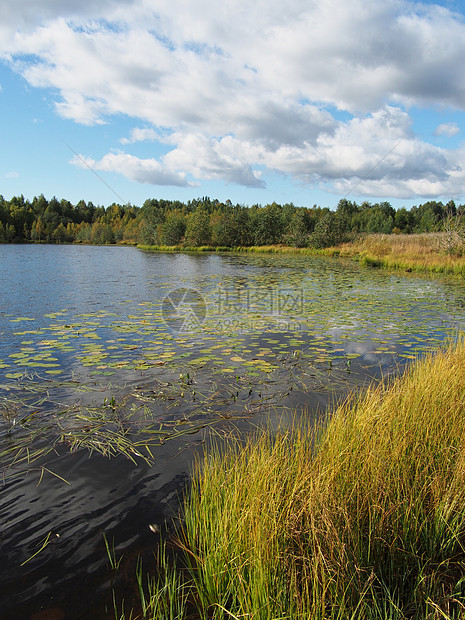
(101, 345)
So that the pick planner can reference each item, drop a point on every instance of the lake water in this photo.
(113, 352)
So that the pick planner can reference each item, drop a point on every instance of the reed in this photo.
(361, 518)
(422, 252)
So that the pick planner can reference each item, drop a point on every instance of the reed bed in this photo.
(360, 518)
(421, 252)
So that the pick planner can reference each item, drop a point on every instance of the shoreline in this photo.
(420, 253)
(425, 253)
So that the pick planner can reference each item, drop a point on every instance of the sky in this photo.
(307, 101)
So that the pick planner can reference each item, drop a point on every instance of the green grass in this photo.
(362, 518)
(261, 249)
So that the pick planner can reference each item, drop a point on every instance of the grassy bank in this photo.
(252, 249)
(427, 252)
(362, 518)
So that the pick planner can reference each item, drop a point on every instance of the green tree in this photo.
(329, 230)
(38, 230)
(153, 216)
(10, 233)
(224, 229)
(83, 233)
(21, 217)
(38, 205)
(298, 229)
(347, 212)
(267, 224)
(403, 220)
(173, 229)
(101, 233)
(429, 216)
(198, 228)
(84, 212)
(380, 220)
(60, 234)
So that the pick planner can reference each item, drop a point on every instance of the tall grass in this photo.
(362, 518)
(421, 252)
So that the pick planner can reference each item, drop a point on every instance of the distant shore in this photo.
(426, 252)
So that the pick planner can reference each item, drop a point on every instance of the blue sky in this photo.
(307, 102)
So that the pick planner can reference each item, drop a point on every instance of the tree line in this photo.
(206, 221)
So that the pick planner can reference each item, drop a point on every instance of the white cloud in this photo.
(214, 159)
(157, 66)
(139, 134)
(235, 88)
(371, 155)
(447, 129)
(375, 155)
(11, 175)
(135, 169)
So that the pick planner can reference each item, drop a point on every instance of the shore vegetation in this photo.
(427, 237)
(361, 517)
(210, 222)
(423, 252)
(431, 252)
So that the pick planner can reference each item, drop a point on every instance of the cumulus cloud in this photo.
(139, 134)
(214, 159)
(237, 89)
(133, 168)
(376, 155)
(447, 129)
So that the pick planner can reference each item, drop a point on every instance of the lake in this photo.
(118, 366)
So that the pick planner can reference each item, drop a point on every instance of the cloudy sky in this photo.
(305, 101)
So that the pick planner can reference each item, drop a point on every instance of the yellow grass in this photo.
(362, 518)
(423, 252)
(367, 521)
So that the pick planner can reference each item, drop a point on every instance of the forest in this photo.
(210, 222)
